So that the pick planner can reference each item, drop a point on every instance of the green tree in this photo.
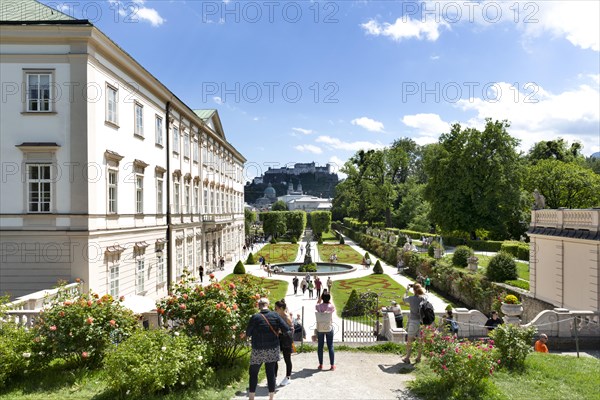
(564, 184)
(279, 205)
(249, 219)
(321, 222)
(296, 222)
(557, 149)
(274, 223)
(475, 179)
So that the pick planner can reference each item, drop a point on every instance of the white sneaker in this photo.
(285, 381)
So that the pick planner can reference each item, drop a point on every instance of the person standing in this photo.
(201, 272)
(414, 319)
(304, 286)
(325, 312)
(285, 342)
(295, 284)
(264, 328)
(329, 284)
(318, 286)
(427, 283)
(311, 288)
(540, 345)
(493, 321)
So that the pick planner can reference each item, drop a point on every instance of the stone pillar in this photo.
(564, 322)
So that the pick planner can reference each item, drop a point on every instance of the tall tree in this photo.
(474, 180)
(557, 149)
(564, 184)
(279, 205)
(320, 222)
(249, 219)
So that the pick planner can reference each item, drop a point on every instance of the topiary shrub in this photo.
(431, 249)
(294, 240)
(352, 306)
(239, 268)
(378, 269)
(250, 259)
(502, 267)
(461, 256)
(342, 240)
(152, 361)
(367, 255)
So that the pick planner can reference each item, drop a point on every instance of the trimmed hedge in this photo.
(378, 269)
(502, 267)
(250, 259)
(518, 249)
(239, 268)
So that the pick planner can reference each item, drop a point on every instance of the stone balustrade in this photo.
(35, 301)
(585, 219)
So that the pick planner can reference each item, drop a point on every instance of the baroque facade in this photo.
(107, 175)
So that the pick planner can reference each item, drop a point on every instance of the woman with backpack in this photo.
(414, 319)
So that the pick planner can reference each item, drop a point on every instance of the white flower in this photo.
(127, 392)
(163, 348)
(199, 358)
(176, 333)
(26, 355)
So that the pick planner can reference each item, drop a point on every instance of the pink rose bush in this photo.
(216, 314)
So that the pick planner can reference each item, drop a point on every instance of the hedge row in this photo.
(519, 250)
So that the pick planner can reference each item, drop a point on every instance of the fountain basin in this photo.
(323, 268)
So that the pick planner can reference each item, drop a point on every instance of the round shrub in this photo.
(153, 361)
(502, 267)
(294, 240)
(250, 260)
(514, 344)
(461, 256)
(311, 267)
(81, 328)
(239, 268)
(378, 269)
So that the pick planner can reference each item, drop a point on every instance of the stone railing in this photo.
(586, 219)
(35, 301)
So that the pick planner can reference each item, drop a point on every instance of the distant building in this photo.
(301, 168)
(269, 197)
(309, 204)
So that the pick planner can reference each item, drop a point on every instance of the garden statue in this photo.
(307, 256)
(539, 200)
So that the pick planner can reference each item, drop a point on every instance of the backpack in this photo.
(454, 326)
(427, 313)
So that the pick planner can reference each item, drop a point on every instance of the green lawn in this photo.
(345, 253)
(522, 267)
(547, 377)
(386, 287)
(329, 236)
(277, 288)
(278, 253)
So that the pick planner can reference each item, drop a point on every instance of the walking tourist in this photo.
(329, 284)
(304, 286)
(286, 340)
(263, 328)
(311, 288)
(201, 273)
(414, 319)
(324, 316)
(295, 284)
(540, 345)
(318, 286)
(427, 283)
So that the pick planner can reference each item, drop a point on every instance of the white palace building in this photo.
(106, 175)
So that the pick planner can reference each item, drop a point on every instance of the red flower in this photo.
(89, 303)
(160, 311)
(235, 307)
(191, 321)
(68, 302)
(185, 296)
(112, 322)
(182, 306)
(212, 276)
(53, 328)
(231, 286)
(218, 305)
(202, 294)
(89, 320)
(122, 298)
(77, 280)
(61, 314)
(84, 354)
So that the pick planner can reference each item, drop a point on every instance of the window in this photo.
(187, 197)
(158, 130)
(204, 155)
(111, 104)
(186, 144)
(196, 198)
(113, 282)
(160, 270)
(176, 197)
(198, 252)
(175, 140)
(39, 186)
(140, 276)
(190, 255)
(139, 194)
(179, 259)
(206, 211)
(213, 209)
(159, 195)
(139, 119)
(195, 150)
(38, 92)
(113, 179)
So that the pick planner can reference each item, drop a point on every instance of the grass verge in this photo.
(345, 253)
(278, 253)
(277, 288)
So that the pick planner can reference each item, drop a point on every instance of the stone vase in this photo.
(512, 312)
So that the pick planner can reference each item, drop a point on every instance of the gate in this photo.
(361, 321)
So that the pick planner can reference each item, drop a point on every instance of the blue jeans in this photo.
(321, 336)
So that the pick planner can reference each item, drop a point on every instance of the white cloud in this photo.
(368, 123)
(536, 114)
(217, 100)
(405, 28)
(434, 58)
(309, 148)
(303, 131)
(336, 164)
(577, 21)
(427, 124)
(337, 144)
(150, 15)
(137, 11)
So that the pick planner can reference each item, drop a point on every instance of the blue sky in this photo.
(300, 81)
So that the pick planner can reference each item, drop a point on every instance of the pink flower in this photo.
(182, 306)
(89, 303)
(202, 294)
(191, 321)
(89, 320)
(84, 354)
(53, 328)
(235, 307)
(231, 286)
(185, 296)
(470, 356)
(444, 367)
(112, 322)
(207, 328)
(212, 276)
(498, 361)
